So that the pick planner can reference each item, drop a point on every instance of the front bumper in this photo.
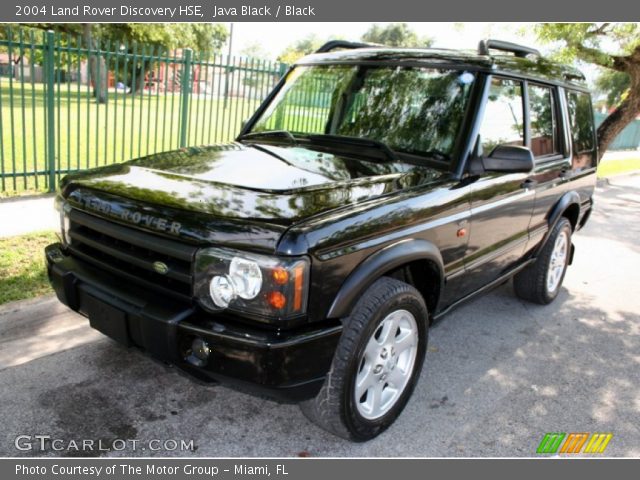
(286, 365)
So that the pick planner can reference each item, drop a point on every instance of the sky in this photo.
(275, 37)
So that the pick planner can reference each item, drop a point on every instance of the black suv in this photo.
(373, 191)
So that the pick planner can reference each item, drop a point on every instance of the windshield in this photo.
(410, 109)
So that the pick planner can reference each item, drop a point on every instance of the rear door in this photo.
(550, 146)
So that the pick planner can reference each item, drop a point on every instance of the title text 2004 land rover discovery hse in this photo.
(373, 191)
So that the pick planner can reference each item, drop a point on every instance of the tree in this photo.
(612, 46)
(614, 85)
(300, 48)
(72, 32)
(96, 64)
(395, 35)
(205, 38)
(254, 50)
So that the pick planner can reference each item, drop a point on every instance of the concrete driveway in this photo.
(499, 373)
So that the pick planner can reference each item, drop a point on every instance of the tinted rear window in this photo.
(580, 121)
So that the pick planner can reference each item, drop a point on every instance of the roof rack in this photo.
(519, 51)
(335, 44)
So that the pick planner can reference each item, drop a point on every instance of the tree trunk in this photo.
(140, 80)
(622, 116)
(99, 81)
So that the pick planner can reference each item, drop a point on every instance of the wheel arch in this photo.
(567, 207)
(417, 262)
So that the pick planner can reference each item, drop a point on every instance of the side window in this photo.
(581, 121)
(582, 129)
(543, 121)
(503, 118)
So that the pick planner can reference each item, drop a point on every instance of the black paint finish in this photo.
(450, 230)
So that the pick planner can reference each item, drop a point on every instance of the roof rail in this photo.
(335, 44)
(520, 51)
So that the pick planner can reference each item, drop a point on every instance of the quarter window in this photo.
(581, 121)
(503, 118)
(542, 117)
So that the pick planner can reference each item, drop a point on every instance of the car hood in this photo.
(252, 183)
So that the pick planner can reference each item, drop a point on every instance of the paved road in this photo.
(499, 373)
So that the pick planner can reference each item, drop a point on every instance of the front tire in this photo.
(376, 365)
(540, 282)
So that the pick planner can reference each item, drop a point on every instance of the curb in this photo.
(17, 305)
(26, 198)
(606, 181)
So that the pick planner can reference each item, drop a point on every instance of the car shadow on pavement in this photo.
(499, 374)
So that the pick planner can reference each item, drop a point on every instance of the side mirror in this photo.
(509, 158)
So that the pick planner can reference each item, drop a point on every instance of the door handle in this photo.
(529, 183)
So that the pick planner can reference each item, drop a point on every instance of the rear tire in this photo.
(376, 365)
(540, 282)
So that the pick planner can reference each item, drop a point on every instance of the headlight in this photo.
(246, 277)
(65, 225)
(274, 287)
(221, 290)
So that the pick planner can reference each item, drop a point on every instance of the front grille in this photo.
(131, 253)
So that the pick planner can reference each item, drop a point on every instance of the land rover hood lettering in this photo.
(132, 217)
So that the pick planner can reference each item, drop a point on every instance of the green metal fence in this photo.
(628, 139)
(57, 118)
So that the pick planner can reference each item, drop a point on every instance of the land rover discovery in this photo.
(373, 191)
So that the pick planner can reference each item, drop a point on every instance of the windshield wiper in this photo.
(270, 134)
(354, 141)
(436, 155)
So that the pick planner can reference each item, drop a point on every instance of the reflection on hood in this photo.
(281, 184)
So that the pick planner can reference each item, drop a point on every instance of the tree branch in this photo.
(70, 29)
(601, 30)
(592, 55)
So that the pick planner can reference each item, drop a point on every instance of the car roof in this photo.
(533, 67)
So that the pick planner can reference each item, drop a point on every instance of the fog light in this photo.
(199, 352)
(221, 290)
(200, 349)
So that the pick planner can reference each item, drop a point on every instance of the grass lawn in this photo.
(608, 168)
(90, 134)
(128, 126)
(22, 271)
